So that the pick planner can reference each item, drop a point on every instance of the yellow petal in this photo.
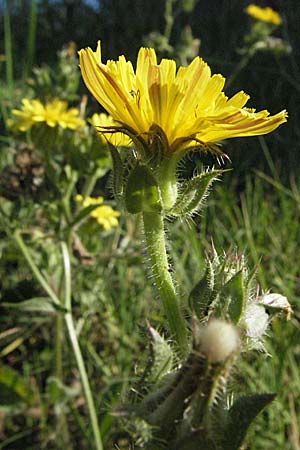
(183, 104)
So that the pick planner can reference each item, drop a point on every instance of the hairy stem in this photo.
(156, 246)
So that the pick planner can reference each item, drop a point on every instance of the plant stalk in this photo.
(38, 275)
(58, 329)
(240, 66)
(77, 351)
(8, 48)
(62, 423)
(156, 246)
(169, 19)
(70, 326)
(31, 37)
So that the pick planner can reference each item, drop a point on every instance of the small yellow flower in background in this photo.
(105, 215)
(266, 14)
(187, 104)
(53, 113)
(102, 121)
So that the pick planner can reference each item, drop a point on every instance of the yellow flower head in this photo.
(103, 123)
(264, 14)
(105, 215)
(53, 113)
(187, 104)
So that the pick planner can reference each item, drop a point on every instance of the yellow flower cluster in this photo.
(53, 113)
(102, 123)
(187, 104)
(266, 14)
(105, 215)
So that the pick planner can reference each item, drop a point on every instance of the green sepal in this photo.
(201, 296)
(204, 297)
(192, 193)
(158, 144)
(117, 171)
(140, 144)
(235, 293)
(240, 416)
(142, 192)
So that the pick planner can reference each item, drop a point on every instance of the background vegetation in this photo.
(255, 209)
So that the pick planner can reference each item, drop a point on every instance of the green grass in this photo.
(112, 300)
(263, 222)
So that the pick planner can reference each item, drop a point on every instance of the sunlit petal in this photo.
(185, 104)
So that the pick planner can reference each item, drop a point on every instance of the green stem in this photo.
(38, 275)
(62, 423)
(58, 346)
(240, 66)
(156, 246)
(8, 49)
(169, 19)
(58, 328)
(70, 326)
(168, 182)
(77, 351)
(268, 157)
(89, 186)
(90, 183)
(61, 420)
(31, 38)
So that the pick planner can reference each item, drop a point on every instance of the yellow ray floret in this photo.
(188, 104)
(103, 123)
(266, 14)
(53, 113)
(105, 215)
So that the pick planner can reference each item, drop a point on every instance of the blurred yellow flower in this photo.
(53, 113)
(101, 122)
(266, 14)
(105, 215)
(187, 104)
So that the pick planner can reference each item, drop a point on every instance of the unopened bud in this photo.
(218, 340)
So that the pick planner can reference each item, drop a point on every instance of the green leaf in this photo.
(161, 358)
(192, 193)
(142, 191)
(38, 305)
(13, 389)
(240, 417)
(235, 293)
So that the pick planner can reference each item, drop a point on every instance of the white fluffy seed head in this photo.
(218, 340)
